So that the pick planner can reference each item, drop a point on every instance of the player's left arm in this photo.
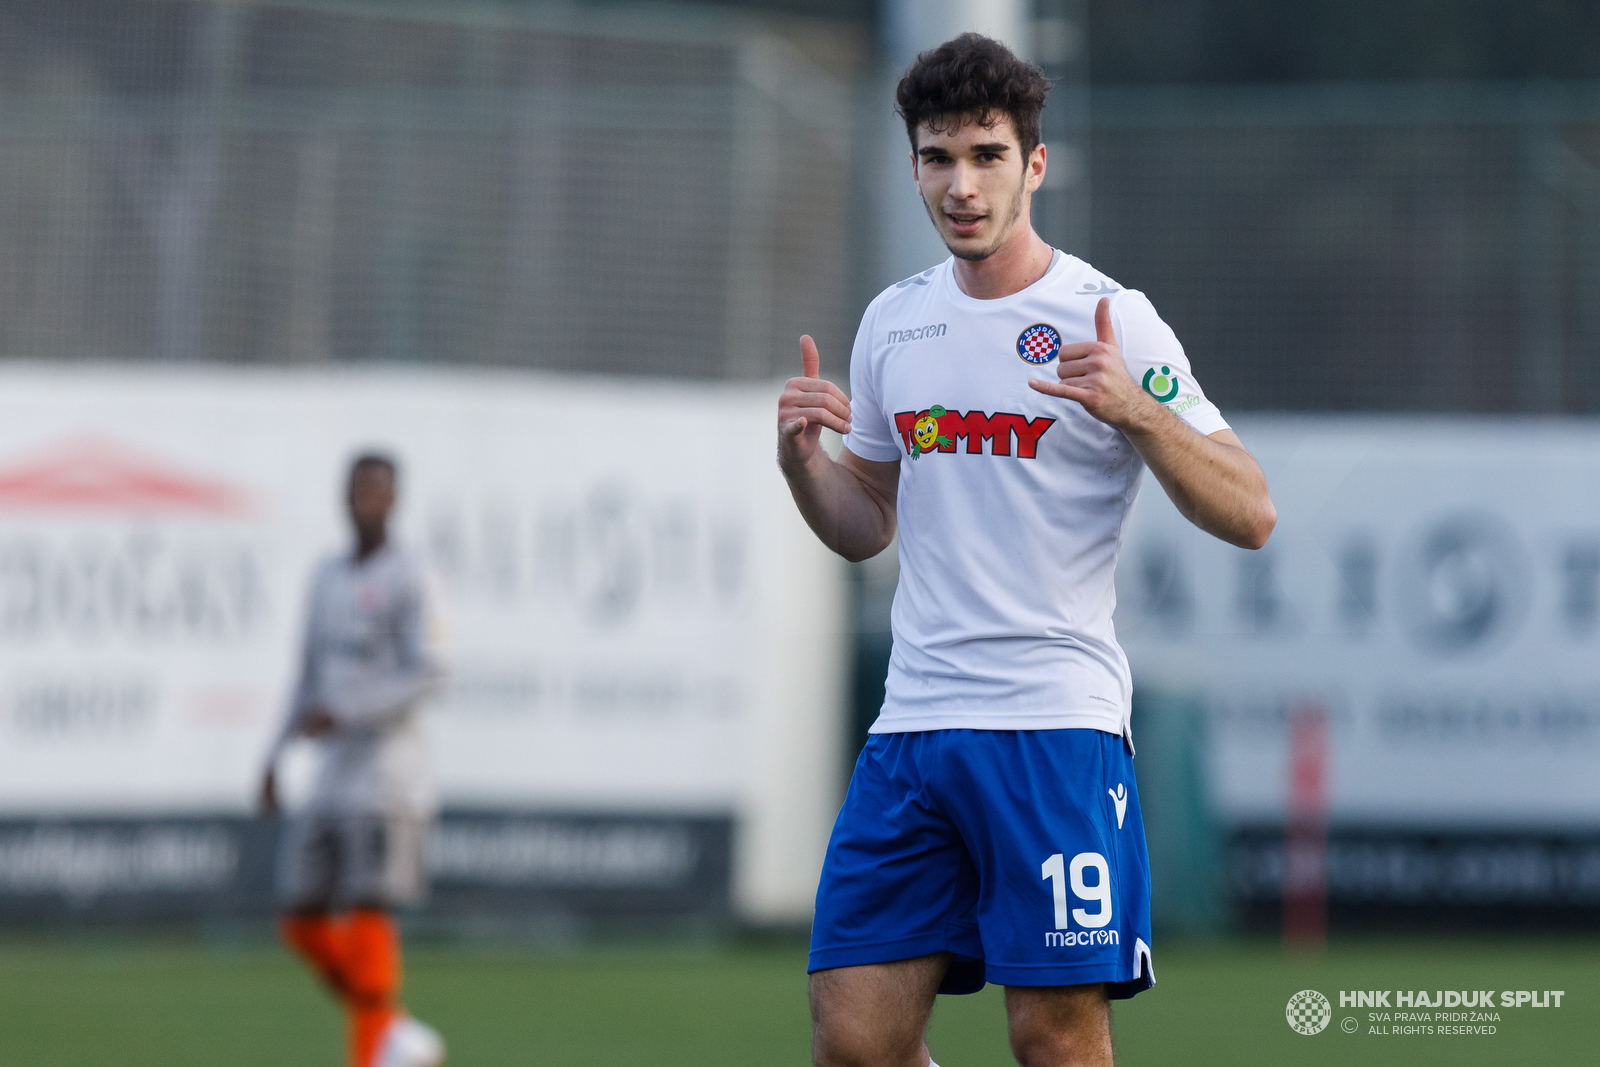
(1214, 482)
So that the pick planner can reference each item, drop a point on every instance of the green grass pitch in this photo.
(136, 1003)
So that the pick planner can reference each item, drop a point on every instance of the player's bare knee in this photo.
(864, 1018)
(1090, 1047)
(845, 1039)
(1059, 1027)
(853, 1039)
(1043, 1047)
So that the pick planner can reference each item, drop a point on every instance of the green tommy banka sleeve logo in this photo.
(1163, 386)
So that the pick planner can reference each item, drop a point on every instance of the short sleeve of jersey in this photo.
(1157, 362)
(871, 435)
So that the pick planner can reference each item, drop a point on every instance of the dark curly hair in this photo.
(977, 77)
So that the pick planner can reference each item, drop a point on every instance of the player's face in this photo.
(976, 184)
(371, 496)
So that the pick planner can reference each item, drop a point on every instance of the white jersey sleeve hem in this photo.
(871, 436)
(1157, 362)
(872, 452)
(1208, 423)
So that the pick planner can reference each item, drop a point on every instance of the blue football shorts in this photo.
(1020, 852)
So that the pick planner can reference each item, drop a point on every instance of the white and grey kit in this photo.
(373, 654)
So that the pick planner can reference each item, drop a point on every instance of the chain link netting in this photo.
(184, 180)
(1345, 251)
(259, 183)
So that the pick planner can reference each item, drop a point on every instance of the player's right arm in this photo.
(294, 716)
(849, 503)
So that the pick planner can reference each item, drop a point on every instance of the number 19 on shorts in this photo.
(1059, 873)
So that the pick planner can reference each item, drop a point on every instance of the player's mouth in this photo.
(963, 224)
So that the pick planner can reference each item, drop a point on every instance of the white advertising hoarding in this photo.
(1433, 583)
(639, 619)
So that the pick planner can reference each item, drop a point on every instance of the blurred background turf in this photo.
(176, 1004)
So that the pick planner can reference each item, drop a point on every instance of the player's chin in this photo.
(968, 242)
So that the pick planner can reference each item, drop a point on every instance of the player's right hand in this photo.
(267, 800)
(316, 722)
(809, 403)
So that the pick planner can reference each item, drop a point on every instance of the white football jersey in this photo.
(1011, 502)
(373, 652)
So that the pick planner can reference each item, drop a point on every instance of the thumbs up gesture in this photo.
(809, 403)
(1094, 374)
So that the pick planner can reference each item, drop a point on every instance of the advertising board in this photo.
(641, 626)
(1432, 589)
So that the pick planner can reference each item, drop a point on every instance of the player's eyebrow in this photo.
(993, 148)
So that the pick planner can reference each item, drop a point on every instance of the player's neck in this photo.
(369, 543)
(1022, 260)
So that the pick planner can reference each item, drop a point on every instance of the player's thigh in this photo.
(1059, 1025)
(874, 1012)
(382, 861)
(308, 863)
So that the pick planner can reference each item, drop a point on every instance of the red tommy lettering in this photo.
(903, 421)
(1028, 434)
(978, 427)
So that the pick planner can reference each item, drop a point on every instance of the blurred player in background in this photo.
(355, 852)
(992, 830)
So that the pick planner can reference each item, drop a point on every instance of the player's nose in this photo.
(962, 186)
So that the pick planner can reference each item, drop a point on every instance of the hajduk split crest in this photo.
(1039, 343)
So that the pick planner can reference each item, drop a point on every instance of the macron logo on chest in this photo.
(936, 429)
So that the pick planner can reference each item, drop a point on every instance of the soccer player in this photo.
(1003, 406)
(371, 657)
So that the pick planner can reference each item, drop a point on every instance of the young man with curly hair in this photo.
(1003, 407)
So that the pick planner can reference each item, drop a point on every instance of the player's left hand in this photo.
(1094, 374)
(317, 721)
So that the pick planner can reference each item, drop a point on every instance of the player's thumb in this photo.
(810, 360)
(1102, 322)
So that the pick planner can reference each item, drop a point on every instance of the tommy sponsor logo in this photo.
(919, 333)
(936, 429)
